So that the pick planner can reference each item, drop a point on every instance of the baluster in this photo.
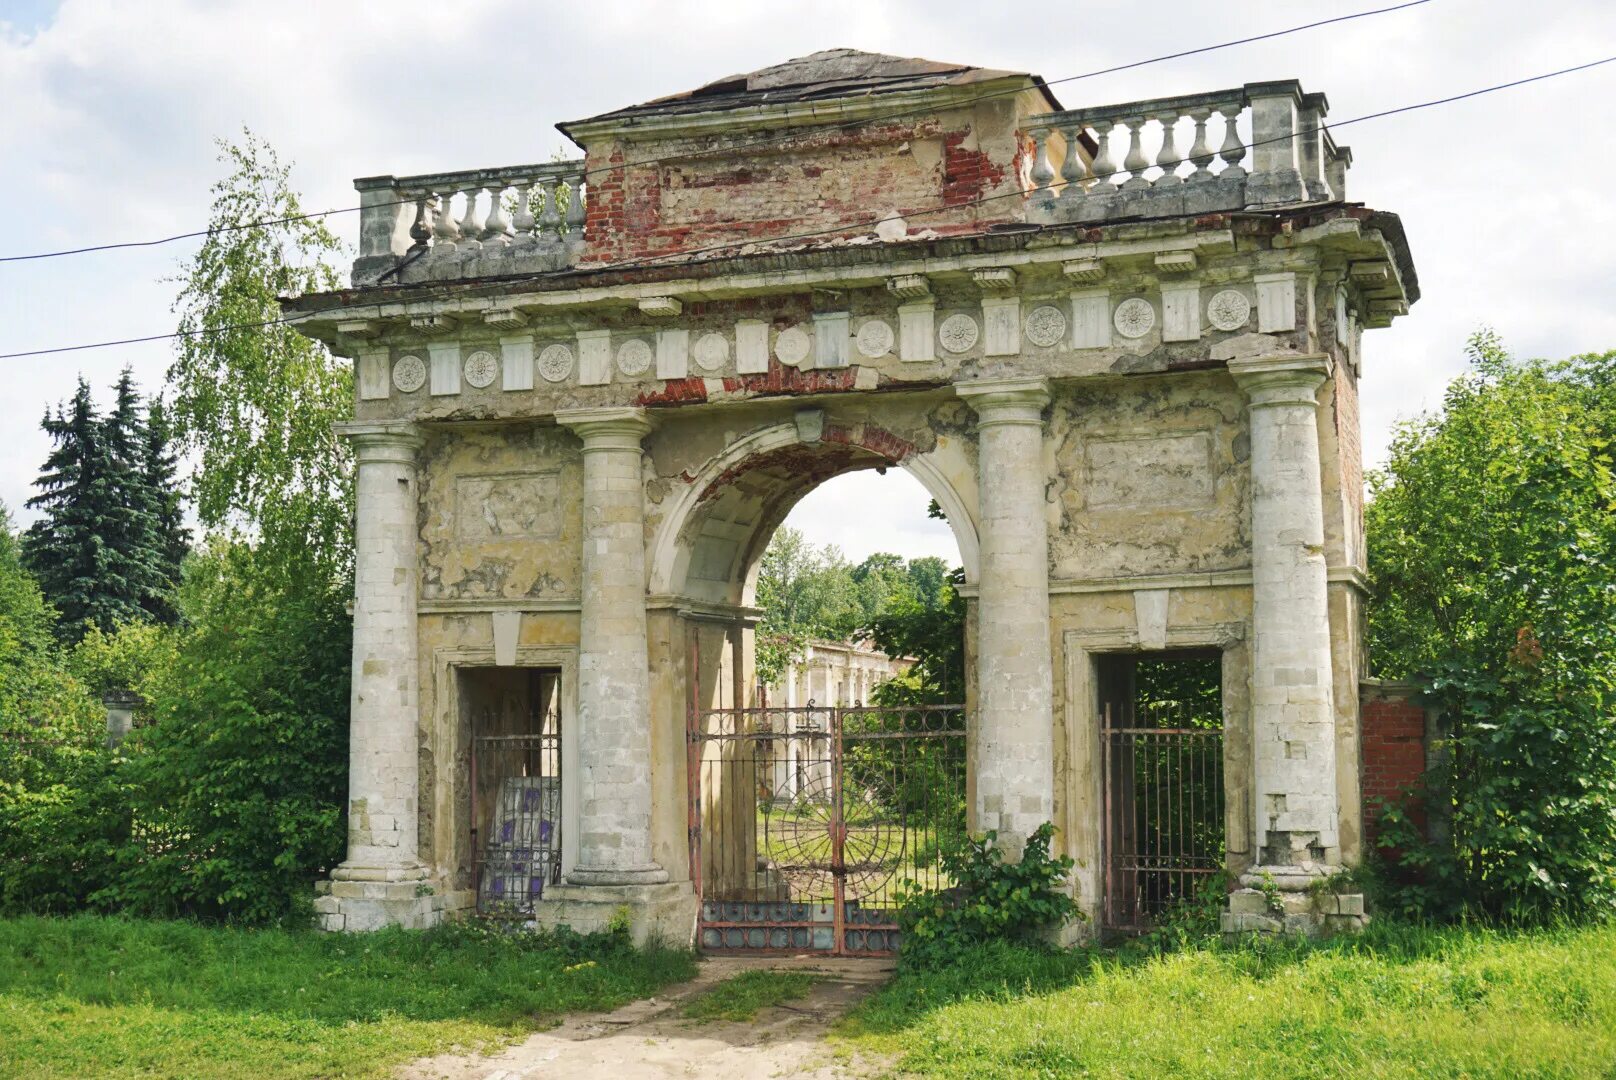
(575, 207)
(1233, 151)
(1135, 163)
(1042, 173)
(1200, 152)
(550, 218)
(498, 229)
(1105, 169)
(471, 224)
(1167, 158)
(523, 222)
(1073, 171)
(444, 230)
(421, 228)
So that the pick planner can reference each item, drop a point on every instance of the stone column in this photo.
(376, 885)
(614, 697)
(1015, 720)
(1293, 718)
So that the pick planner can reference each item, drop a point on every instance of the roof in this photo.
(831, 73)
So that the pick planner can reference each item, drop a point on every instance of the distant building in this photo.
(834, 673)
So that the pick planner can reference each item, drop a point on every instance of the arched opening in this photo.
(826, 766)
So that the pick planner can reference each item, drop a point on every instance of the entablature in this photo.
(1058, 302)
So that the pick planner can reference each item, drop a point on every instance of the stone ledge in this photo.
(356, 906)
(1307, 914)
(665, 912)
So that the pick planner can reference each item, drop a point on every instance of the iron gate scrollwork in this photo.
(808, 822)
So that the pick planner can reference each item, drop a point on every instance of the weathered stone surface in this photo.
(1140, 419)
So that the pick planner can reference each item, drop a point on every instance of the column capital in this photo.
(396, 441)
(1281, 380)
(1005, 401)
(606, 428)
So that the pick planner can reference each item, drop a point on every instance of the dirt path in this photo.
(647, 1039)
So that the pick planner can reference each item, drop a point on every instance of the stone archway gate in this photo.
(808, 824)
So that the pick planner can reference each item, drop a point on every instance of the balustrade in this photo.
(534, 211)
(1271, 149)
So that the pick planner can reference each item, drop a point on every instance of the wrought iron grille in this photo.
(516, 813)
(806, 822)
(1164, 825)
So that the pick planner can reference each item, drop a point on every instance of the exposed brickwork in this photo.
(1392, 728)
(831, 181)
(1349, 443)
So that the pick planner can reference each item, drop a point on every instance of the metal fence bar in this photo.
(1162, 810)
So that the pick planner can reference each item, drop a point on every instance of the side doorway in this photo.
(1162, 778)
(515, 785)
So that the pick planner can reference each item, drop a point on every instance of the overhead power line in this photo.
(690, 256)
(731, 148)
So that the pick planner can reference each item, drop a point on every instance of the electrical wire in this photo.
(731, 148)
(689, 257)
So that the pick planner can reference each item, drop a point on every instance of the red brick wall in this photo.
(692, 195)
(1392, 736)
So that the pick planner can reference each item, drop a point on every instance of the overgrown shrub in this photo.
(1492, 546)
(991, 900)
(238, 785)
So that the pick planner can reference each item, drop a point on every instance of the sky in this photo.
(111, 108)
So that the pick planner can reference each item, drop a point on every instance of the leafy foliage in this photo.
(992, 900)
(1493, 542)
(934, 636)
(252, 398)
(807, 592)
(227, 802)
(56, 832)
(237, 786)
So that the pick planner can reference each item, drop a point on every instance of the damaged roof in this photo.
(831, 73)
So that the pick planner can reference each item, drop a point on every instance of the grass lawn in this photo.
(111, 998)
(1395, 1002)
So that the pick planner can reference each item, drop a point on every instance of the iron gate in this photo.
(806, 823)
(515, 795)
(1164, 828)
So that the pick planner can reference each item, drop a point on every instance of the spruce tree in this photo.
(66, 549)
(136, 572)
(110, 539)
(172, 541)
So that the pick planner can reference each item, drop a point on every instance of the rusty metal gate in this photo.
(807, 822)
(515, 793)
(1163, 831)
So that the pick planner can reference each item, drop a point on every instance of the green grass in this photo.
(742, 996)
(1396, 1002)
(111, 998)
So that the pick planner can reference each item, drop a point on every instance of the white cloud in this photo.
(111, 108)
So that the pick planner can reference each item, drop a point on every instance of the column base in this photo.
(649, 874)
(359, 906)
(662, 912)
(1296, 900)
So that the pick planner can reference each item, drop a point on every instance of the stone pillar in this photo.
(120, 705)
(614, 695)
(1293, 717)
(380, 882)
(1015, 719)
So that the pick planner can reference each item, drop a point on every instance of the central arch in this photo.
(710, 542)
(706, 555)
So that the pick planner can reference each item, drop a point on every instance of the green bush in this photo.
(238, 785)
(1493, 553)
(992, 900)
